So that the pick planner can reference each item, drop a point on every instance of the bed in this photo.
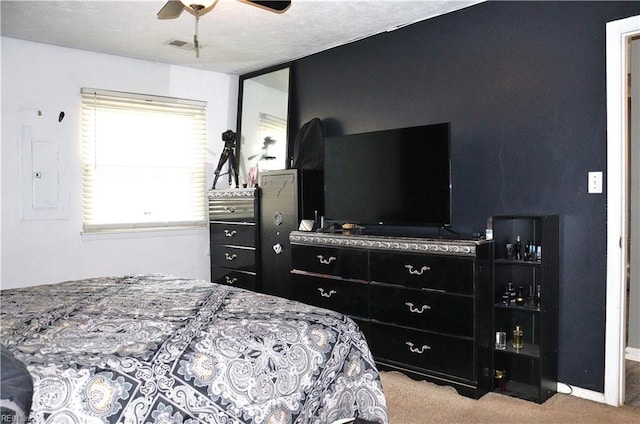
(157, 348)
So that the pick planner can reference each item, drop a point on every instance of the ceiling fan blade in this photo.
(171, 10)
(273, 5)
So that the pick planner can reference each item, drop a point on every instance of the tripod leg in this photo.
(223, 158)
(233, 166)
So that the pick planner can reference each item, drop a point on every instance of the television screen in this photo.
(390, 177)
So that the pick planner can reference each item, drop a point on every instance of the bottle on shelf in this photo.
(506, 296)
(517, 248)
(501, 340)
(532, 252)
(520, 296)
(508, 251)
(509, 295)
(517, 341)
(499, 380)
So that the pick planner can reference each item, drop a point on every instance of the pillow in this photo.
(16, 388)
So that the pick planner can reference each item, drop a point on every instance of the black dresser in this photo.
(233, 237)
(424, 304)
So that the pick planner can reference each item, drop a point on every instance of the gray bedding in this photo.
(156, 348)
(16, 389)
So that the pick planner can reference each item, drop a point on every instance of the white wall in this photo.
(40, 76)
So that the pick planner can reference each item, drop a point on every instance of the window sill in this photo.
(143, 233)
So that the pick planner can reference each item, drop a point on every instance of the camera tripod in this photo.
(229, 138)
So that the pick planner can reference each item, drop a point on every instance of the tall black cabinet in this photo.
(288, 196)
(525, 305)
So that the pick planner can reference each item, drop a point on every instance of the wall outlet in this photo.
(595, 182)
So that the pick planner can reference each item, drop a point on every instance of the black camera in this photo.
(229, 138)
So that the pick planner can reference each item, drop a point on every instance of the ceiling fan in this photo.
(174, 8)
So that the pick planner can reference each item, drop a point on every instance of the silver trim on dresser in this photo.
(231, 192)
(445, 247)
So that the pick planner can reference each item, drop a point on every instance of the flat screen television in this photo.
(396, 177)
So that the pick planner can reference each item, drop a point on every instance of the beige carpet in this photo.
(632, 383)
(419, 402)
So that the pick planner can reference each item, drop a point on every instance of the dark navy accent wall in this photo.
(523, 85)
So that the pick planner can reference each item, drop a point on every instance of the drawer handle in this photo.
(230, 257)
(417, 349)
(417, 271)
(325, 294)
(229, 209)
(231, 233)
(416, 310)
(230, 280)
(326, 261)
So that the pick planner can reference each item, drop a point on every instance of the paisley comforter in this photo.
(155, 348)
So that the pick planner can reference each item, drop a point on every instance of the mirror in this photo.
(263, 112)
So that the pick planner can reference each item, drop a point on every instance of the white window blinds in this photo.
(143, 161)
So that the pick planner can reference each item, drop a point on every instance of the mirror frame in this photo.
(241, 102)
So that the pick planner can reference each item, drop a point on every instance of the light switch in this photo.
(595, 182)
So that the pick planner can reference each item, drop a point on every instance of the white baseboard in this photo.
(632, 354)
(588, 394)
(580, 392)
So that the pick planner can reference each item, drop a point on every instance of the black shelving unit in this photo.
(530, 372)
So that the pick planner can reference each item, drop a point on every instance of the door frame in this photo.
(618, 33)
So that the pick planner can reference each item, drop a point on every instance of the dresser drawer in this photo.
(232, 209)
(233, 257)
(436, 272)
(232, 234)
(233, 277)
(364, 327)
(433, 311)
(420, 349)
(346, 263)
(347, 297)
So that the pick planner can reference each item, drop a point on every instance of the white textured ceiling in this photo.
(236, 37)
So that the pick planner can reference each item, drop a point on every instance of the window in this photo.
(143, 161)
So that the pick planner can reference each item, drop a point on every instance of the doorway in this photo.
(619, 36)
(632, 336)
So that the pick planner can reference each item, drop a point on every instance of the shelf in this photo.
(525, 308)
(528, 350)
(519, 390)
(514, 262)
